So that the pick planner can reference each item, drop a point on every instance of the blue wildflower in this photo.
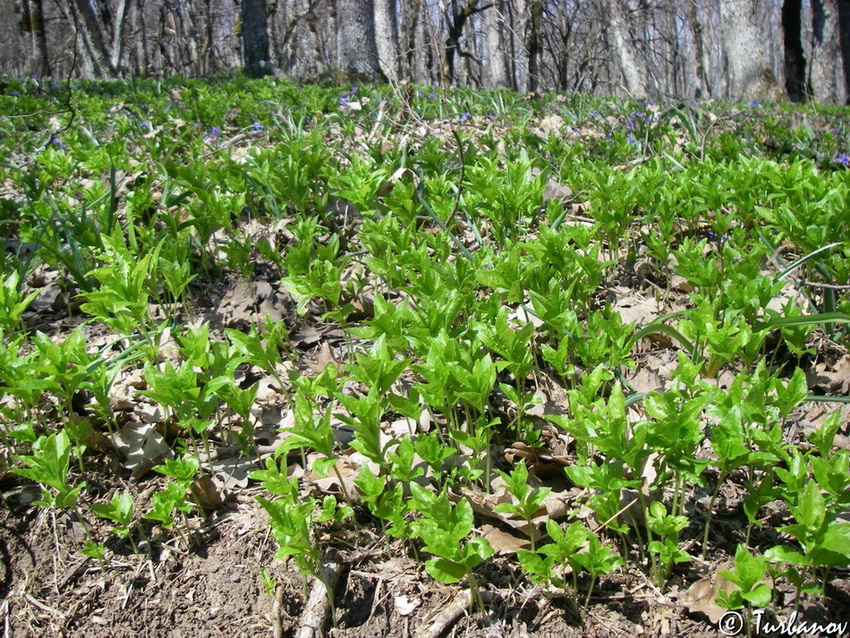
(214, 132)
(631, 140)
(755, 103)
(464, 117)
(344, 100)
(145, 124)
(843, 159)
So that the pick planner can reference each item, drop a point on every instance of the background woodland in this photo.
(657, 49)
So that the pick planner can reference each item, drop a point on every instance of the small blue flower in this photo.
(258, 128)
(145, 124)
(432, 95)
(214, 132)
(843, 159)
(14, 92)
(631, 140)
(354, 89)
(755, 103)
(344, 100)
(464, 117)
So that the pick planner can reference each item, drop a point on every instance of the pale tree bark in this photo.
(357, 50)
(386, 38)
(255, 38)
(495, 71)
(632, 72)
(826, 72)
(748, 74)
(92, 36)
(32, 22)
(117, 49)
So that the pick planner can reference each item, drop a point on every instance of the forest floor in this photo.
(215, 570)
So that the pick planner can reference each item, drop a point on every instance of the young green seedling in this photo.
(445, 530)
(529, 499)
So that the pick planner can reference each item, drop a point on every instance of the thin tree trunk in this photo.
(386, 37)
(533, 44)
(255, 38)
(795, 60)
(844, 38)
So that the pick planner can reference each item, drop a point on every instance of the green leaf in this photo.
(445, 571)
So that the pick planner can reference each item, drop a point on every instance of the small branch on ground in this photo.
(318, 606)
(820, 284)
(448, 616)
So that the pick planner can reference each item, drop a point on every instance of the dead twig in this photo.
(318, 606)
(448, 616)
(820, 284)
(277, 625)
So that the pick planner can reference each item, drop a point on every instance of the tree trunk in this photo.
(533, 44)
(386, 38)
(844, 38)
(748, 75)
(632, 73)
(94, 42)
(357, 50)
(795, 60)
(826, 73)
(255, 38)
(32, 22)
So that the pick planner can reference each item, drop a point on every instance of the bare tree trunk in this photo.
(386, 37)
(844, 37)
(496, 75)
(826, 75)
(703, 86)
(89, 30)
(533, 44)
(748, 74)
(357, 49)
(795, 60)
(255, 38)
(632, 73)
(32, 23)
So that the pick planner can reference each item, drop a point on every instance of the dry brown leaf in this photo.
(324, 356)
(206, 493)
(503, 543)
(142, 447)
(701, 596)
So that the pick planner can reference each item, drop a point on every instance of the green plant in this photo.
(48, 465)
(13, 302)
(445, 529)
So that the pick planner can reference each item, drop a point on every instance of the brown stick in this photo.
(818, 284)
(448, 616)
(318, 606)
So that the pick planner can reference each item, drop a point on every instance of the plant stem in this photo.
(714, 495)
